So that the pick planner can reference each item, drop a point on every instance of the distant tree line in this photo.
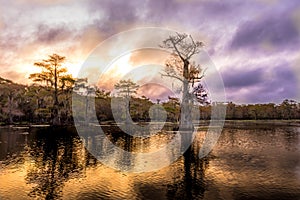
(49, 101)
(34, 104)
(288, 109)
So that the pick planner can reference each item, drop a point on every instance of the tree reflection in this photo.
(191, 184)
(126, 144)
(57, 157)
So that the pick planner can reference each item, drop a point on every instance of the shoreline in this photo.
(202, 122)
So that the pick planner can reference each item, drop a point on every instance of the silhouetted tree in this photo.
(54, 75)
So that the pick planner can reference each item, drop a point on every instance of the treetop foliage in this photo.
(126, 88)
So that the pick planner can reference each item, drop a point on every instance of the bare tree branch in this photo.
(172, 76)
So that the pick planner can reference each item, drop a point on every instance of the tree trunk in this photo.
(10, 101)
(127, 106)
(186, 123)
(86, 110)
(55, 118)
(55, 86)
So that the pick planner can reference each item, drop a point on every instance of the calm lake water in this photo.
(250, 161)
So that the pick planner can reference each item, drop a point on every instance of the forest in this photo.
(41, 103)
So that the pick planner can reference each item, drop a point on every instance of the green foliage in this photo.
(126, 88)
(10, 100)
(288, 109)
(172, 107)
(34, 104)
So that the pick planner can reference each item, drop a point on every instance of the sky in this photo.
(253, 43)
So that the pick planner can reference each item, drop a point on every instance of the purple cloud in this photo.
(283, 85)
(116, 11)
(278, 30)
(46, 34)
(237, 78)
(260, 85)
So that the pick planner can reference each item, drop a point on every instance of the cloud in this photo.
(154, 91)
(88, 39)
(2, 24)
(148, 56)
(276, 30)
(48, 35)
(196, 11)
(187, 16)
(261, 84)
(116, 11)
(246, 77)
(43, 2)
(13, 75)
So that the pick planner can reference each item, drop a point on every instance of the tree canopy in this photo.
(54, 75)
(126, 88)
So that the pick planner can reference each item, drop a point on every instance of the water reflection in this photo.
(56, 156)
(191, 183)
(249, 162)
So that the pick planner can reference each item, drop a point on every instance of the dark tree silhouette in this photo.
(54, 75)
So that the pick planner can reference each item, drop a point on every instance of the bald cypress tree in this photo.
(181, 67)
(53, 75)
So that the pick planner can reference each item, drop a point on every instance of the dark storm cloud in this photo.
(278, 30)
